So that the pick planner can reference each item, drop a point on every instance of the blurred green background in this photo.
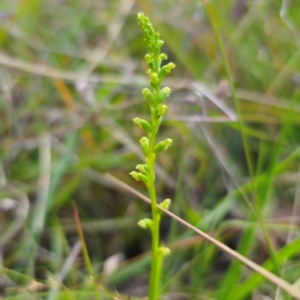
(71, 75)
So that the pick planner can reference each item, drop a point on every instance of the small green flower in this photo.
(160, 43)
(164, 145)
(145, 145)
(154, 78)
(146, 223)
(164, 251)
(148, 58)
(149, 97)
(166, 70)
(144, 140)
(161, 110)
(163, 94)
(167, 143)
(146, 92)
(170, 66)
(163, 56)
(143, 124)
(143, 168)
(166, 203)
(139, 176)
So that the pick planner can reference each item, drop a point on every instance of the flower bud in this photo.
(144, 140)
(145, 223)
(143, 124)
(148, 96)
(160, 43)
(161, 110)
(145, 145)
(141, 17)
(162, 72)
(159, 147)
(164, 251)
(166, 69)
(157, 36)
(166, 203)
(163, 56)
(153, 78)
(137, 121)
(139, 176)
(163, 94)
(145, 149)
(164, 145)
(167, 143)
(143, 168)
(148, 58)
(170, 66)
(145, 91)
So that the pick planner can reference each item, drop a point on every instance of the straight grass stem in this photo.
(243, 134)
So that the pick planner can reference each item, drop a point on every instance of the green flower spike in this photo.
(155, 98)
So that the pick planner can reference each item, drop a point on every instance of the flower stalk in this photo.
(155, 99)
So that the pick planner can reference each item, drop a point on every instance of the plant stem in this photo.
(155, 266)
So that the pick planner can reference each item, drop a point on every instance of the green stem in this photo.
(156, 266)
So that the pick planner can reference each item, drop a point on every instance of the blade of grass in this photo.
(243, 290)
(245, 142)
(266, 183)
(85, 252)
(21, 7)
(231, 84)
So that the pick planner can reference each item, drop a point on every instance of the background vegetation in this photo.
(70, 83)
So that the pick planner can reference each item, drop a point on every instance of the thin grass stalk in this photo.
(244, 139)
(85, 252)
